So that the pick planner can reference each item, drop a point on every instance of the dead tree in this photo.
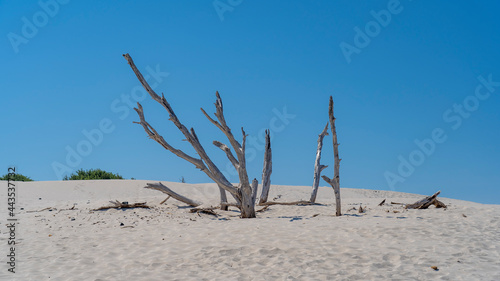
(243, 192)
(266, 170)
(335, 181)
(317, 165)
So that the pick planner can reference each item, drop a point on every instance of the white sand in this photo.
(283, 243)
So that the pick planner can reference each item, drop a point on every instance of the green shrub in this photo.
(16, 177)
(92, 174)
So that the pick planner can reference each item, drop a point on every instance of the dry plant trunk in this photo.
(242, 193)
(267, 170)
(335, 181)
(317, 165)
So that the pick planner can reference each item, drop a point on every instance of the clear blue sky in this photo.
(413, 76)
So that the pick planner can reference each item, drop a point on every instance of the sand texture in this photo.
(167, 242)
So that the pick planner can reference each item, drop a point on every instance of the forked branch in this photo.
(205, 164)
(266, 170)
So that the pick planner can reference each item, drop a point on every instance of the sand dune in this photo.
(167, 242)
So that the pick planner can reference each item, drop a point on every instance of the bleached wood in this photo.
(228, 152)
(335, 181)
(317, 164)
(210, 168)
(266, 170)
(255, 186)
(161, 187)
(426, 202)
(125, 205)
(245, 191)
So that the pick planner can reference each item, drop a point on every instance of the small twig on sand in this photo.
(263, 209)
(122, 205)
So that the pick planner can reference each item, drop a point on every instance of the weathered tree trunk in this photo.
(335, 182)
(317, 165)
(266, 170)
(160, 187)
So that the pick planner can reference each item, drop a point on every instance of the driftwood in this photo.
(287, 203)
(161, 187)
(230, 205)
(44, 209)
(208, 211)
(317, 165)
(426, 202)
(382, 203)
(439, 204)
(263, 209)
(266, 170)
(122, 205)
(335, 181)
(243, 192)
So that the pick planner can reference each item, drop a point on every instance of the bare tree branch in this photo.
(222, 125)
(244, 188)
(155, 136)
(317, 165)
(335, 182)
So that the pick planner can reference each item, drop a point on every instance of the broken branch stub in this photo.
(266, 170)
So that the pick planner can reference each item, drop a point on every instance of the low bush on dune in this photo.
(92, 174)
(16, 177)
